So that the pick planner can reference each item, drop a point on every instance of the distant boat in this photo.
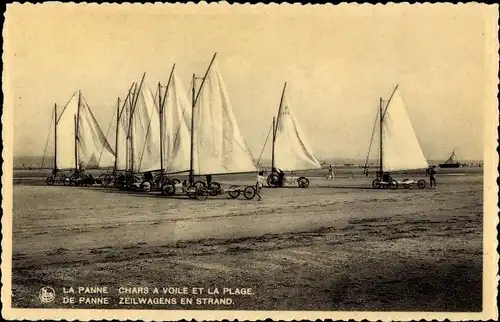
(450, 163)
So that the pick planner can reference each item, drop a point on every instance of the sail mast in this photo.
(191, 167)
(55, 136)
(131, 117)
(371, 140)
(76, 145)
(191, 160)
(275, 124)
(77, 119)
(204, 78)
(274, 139)
(390, 98)
(162, 111)
(382, 115)
(128, 104)
(381, 138)
(168, 84)
(281, 104)
(116, 135)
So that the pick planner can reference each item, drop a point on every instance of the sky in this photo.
(337, 62)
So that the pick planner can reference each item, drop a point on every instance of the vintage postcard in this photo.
(217, 161)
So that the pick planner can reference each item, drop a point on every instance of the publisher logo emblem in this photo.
(47, 294)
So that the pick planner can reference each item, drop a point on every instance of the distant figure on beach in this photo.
(330, 173)
(432, 172)
(260, 183)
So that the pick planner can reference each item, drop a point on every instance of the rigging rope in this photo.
(371, 140)
(106, 137)
(147, 132)
(47, 142)
(265, 143)
(98, 126)
(177, 132)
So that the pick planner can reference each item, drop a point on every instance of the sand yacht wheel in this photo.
(408, 183)
(190, 191)
(235, 191)
(168, 187)
(303, 182)
(273, 181)
(393, 184)
(214, 189)
(109, 179)
(249, 192)
(50, 181)
(202, 193)
(194, 192)
(106, 179)
(146, 186)
(377, 184)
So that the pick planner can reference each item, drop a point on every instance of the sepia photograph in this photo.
(230, 161)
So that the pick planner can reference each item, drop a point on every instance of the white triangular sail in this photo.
(176, 128)
(291, 150)
(400, 147)
(145, 131)
(66, 135)
(121, 136)
(94, 150)
(219, 147)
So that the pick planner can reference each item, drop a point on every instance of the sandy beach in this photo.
(337, 245)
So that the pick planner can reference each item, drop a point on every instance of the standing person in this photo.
(330, 173)
(281, 177)
(260, 183)
(432, 172)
